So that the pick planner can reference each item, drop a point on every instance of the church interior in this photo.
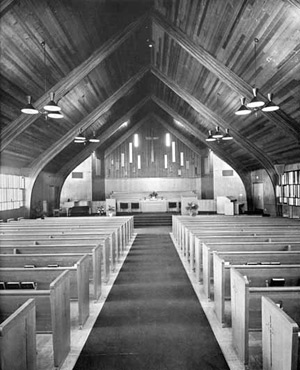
(150, 179)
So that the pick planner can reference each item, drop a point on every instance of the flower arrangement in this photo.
(192, 208)
(110, 210)
(153, 194)
(101, 210)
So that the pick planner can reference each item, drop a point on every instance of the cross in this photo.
(152, 138)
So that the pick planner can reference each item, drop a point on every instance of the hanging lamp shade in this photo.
(270, 106)
(227, 135)
(255, 102)
(52, 106)
(94, 140)
(80, 137)
(243, 110)
(55, 114)
(29, 108)
(217, 134)
(210, 137)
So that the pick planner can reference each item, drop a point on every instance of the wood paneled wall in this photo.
(152, 157)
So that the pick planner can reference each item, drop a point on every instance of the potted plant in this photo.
(192, 208)
(153, 195)
(110, 211)
(100, 211)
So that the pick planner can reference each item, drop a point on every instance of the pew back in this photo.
(279, 336)
(19, 351)
(52, 312)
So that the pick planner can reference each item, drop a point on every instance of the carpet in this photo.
(152, 319)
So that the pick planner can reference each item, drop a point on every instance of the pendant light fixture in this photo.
(51, 109)
(80, 138)
(94, 139)
(218, 135)
(256, 103)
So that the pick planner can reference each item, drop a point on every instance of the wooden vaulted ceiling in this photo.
(103, 73)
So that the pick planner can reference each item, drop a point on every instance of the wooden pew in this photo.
(247, 288)
(66, 240)
(17, 351)
(224, 261)
(78, 276)
(189, 228)
(123, 225)
(100, 255)
(280, 335)
(52, 312)
(47, 255)
(209, 250)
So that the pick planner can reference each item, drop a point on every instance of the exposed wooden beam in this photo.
(295, 3)
(237, 84)
(125, 136)
(51, 152)
(5, 5)
(216, 149)
(218, 121)
(71, 80)
(88, 149)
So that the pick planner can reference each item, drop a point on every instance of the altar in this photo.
(153, 205)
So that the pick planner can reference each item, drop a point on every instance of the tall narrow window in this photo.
(181, 159)
(166, 161)
(139, 162)
(173, 152)
(168, 139)
(136, 140)
(122, 159)
(130, 152)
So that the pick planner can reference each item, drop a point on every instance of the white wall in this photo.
(227, 185)
(152, 184)
(78, 189)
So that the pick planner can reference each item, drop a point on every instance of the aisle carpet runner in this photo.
(152, 319)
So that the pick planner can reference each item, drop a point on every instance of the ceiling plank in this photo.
(88, 150)
(218, 121)
(51, 152)
(5, 5)
(71, 80)
(225, 74)
(216, 149)
(125, 136)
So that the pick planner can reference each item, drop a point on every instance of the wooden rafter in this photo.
(52, 151)
(219, 152)
(225, 74)
(88, 150)
(71, 80)
(125, 136)
(217, 121)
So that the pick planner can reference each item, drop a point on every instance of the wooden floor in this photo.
(78, 337)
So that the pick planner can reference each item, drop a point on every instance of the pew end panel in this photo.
(61, 317)
(18, 339)
(83, 288)
(97, 276)
(219, 288)
(279, 337)
(239, 316)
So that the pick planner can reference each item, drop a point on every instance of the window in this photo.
(11, 192)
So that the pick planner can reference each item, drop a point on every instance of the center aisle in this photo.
(152, 319)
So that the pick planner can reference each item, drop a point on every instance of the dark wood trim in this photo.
(51, 152)
(71, 80)
(88, 150)
(237, 84)
(218, 121)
